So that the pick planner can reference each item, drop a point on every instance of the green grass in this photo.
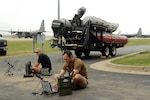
(140, 59)
(138, 41)
(24, 48)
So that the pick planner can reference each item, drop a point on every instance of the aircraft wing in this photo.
(13, 32)
(145, 36)
(128, 35)
(21, 34)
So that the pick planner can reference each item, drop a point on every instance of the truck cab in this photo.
(3, 45)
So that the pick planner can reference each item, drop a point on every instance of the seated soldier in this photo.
(43, 62)
(76, 68)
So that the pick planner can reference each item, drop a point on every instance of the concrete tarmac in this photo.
(105, 83)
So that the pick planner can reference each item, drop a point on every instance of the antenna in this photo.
(58, 9)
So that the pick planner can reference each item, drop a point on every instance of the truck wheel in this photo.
(113, 51)
(3, 53)
(105, 52)
(86, 53)
(78, 53)
(19, 36)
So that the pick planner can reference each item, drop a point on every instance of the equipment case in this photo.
(64, 86)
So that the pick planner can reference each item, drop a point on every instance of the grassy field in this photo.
(138, 41)
(24, 47)
(141, 59)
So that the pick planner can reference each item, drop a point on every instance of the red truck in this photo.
(87, 34)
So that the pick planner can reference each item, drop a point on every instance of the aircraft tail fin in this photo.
(139, 33)
(42, 27)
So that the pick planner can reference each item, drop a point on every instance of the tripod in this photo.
(10, 66)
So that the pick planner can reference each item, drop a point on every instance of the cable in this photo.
(39, 76)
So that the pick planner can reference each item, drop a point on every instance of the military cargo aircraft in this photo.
(138, 34)
(26, 34)
(29, 34)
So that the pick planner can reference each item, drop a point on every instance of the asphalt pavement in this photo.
(105, 83)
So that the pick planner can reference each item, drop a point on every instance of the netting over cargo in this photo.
(98, 21)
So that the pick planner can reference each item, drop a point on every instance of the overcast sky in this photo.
(26, 15)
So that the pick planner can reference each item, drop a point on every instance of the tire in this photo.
(86, 53)
(105, 52)
(19, 36)
(3, 53)
(113, 51)
(78, 53)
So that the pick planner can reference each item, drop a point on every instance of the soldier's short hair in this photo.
(68, 52)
